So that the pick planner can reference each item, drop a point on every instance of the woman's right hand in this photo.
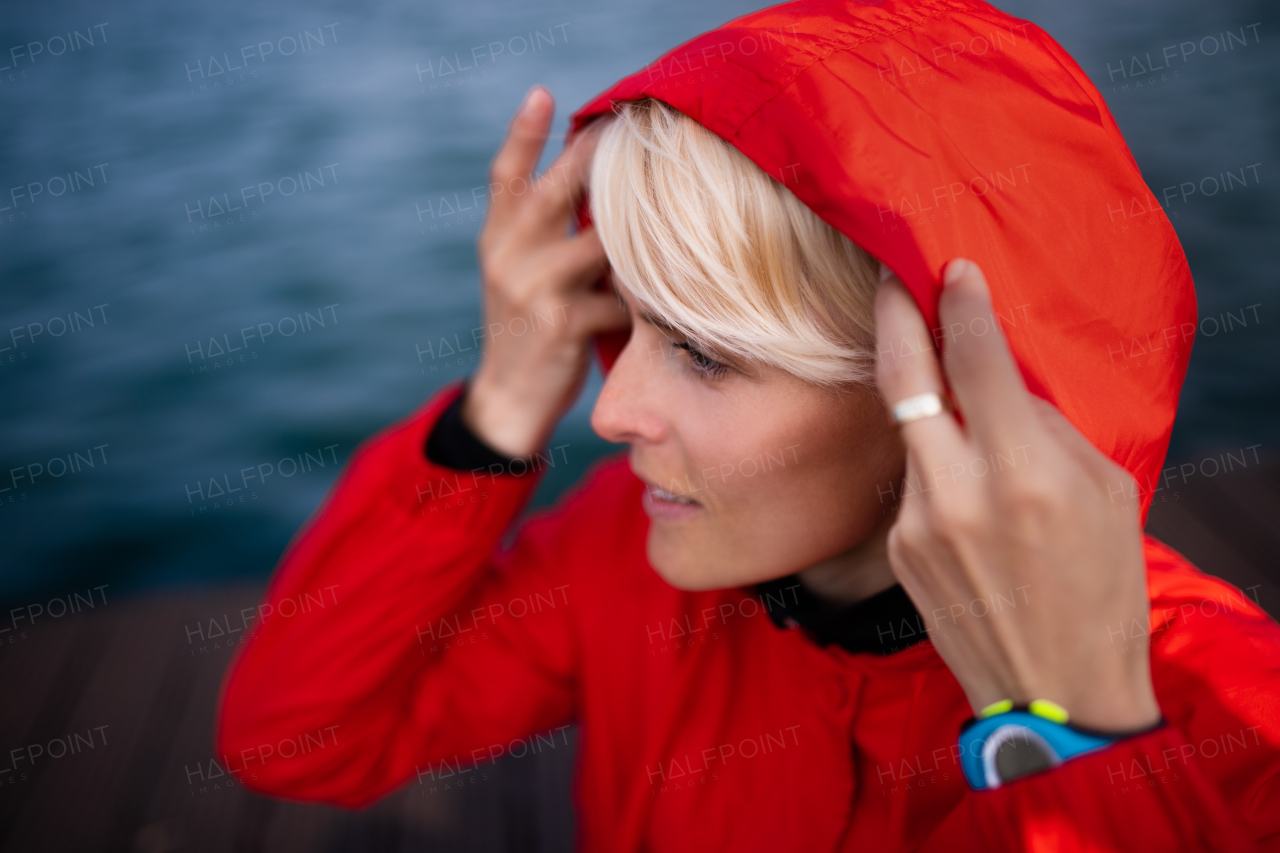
(540, 312)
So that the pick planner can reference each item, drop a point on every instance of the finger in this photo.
(519, 154)
(980, 368)
(579, 154)
(906, 366)
(580, 261)
(593, 313)
(562, 184)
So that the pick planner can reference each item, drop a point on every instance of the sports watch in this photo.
(1004, 741)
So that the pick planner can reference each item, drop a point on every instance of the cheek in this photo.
(737, 465)
(755, 486)
(786, 498)
(809, 505)
(819, 462)
(866, 460)
(783, 519)
(787, 479)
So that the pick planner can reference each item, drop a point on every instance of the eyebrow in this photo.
(645, 314)
(659, 323)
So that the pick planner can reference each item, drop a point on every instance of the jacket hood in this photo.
(930, 129)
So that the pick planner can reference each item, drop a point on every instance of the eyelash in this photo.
(711, 368)
(700, 364)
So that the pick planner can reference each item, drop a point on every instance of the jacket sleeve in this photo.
(1209, 779)
(397, 640)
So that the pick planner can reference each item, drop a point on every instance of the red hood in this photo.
(930, 129)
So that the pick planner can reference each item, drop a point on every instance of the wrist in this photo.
(1110, 699)
(1115, 712)
(501, 418)
(1101, 695)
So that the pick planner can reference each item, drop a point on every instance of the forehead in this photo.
(637, 309)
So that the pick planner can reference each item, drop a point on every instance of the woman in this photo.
(773, 616)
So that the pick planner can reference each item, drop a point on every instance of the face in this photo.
(751, 474)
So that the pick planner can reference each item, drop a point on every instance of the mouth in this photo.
(662, 505)
(663, 495)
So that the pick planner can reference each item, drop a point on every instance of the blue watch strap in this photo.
(1044, 742)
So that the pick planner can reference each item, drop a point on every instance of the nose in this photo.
(628, 410)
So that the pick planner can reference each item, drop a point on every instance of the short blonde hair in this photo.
(727, 255)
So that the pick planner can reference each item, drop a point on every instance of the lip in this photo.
(660, 509)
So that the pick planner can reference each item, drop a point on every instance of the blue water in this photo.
(268, 175)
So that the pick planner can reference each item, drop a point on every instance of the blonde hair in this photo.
(727, 255)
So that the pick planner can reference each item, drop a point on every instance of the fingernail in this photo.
(955, 269)
(885, 272)
(528, 99)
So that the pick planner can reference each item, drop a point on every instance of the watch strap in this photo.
(1004, 741)
(1015, 743)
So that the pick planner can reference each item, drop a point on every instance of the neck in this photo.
(856, 574)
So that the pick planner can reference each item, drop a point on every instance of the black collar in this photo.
(885, 623)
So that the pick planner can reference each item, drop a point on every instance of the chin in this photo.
(676, 563)
(690, 569)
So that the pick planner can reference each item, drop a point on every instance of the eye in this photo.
(703, 366)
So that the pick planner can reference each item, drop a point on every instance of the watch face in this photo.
(1020, 752)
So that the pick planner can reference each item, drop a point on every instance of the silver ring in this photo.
(915, 408)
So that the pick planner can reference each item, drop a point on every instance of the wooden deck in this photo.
(133, 695)
(145, 783)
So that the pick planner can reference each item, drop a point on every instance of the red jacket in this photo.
(404, 643)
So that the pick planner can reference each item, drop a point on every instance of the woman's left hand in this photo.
(1008, 540)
